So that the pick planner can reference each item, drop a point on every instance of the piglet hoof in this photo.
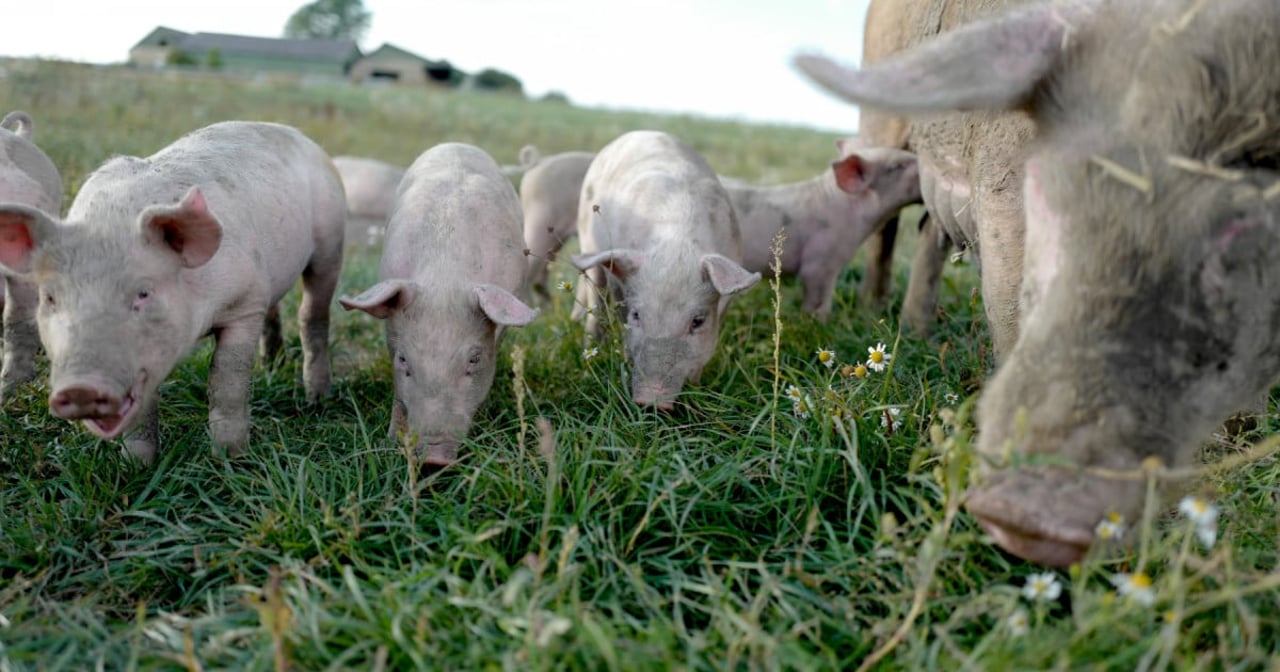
(1051, 516)
(318, 389)
(142, 449)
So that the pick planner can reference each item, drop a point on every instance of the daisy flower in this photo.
(588, 353)
(1110, 527)
(565, 286)
(877, 358)
(858, 370)
(951, 398)
(889, 419)
(794, 394)
(801, 408)
(1200, 511)
(826, 357)
(1136, 587)
(1204, 514)
(1019, 623)
(1042, 587)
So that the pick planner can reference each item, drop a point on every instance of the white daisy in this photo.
(1019, 622)
(889, 419)
(588, 353)
(565, 286)
(826, 357)
(1136, 587)
(951, 398)
(877, 358)
(794, 394)
(1042, 587)
(1110, 527)
(1200, 511)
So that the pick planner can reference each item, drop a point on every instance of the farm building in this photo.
(164, 46)
(390, 63)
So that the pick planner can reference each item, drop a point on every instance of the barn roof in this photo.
(337, 51)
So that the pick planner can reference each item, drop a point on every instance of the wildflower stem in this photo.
(776, 283)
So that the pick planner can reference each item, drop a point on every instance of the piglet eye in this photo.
(402, 363)
(48, 298)
(144, 294)
(697, 322)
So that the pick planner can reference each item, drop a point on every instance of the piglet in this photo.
(657, 229)
(452, 265)
(27, 177)
(202, 238)
(826, 218)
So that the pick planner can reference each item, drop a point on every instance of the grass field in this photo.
(577, 531)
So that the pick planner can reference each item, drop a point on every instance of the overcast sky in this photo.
(723, 58)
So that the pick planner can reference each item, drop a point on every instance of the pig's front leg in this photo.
(21, 337)
(229, 381)
(144, 442)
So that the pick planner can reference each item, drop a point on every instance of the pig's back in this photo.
(651, 187)
(457, 219)
(273, 190)
(27, 175)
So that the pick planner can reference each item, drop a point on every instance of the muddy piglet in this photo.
(658, 231)
(825, 218)
(202, 238)
(27, 177)
(452, 265)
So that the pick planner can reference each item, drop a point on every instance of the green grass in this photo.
(730, 534)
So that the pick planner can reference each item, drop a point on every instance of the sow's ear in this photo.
(383, 299)
(726, 275)
(188, 228)
(22, 230)
(622, 263)
(502, 307)
(994, 64)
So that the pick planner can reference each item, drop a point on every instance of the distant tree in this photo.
(497, 80)
(330, 19)
(179, 57)
(213, 59)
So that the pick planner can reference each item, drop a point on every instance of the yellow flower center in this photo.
(1199, 506)
(1115, 517)
(860, 371)
(824, 356)
(1140, 581)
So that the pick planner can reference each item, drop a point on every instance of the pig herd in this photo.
(1112, 165)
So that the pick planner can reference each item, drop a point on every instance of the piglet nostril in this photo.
(83, 400)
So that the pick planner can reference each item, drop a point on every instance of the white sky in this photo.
(723, 58)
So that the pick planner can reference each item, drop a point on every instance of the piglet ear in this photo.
(22, 230)
(726, 275)
(188, 228)
(502, 307)
(20, 123)
(995, 64)
(871, 168)
(622, 263)
(851, 174)
(529, 155)
(383, 299)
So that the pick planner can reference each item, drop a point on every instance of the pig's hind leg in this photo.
(319, 282)
(272, 336)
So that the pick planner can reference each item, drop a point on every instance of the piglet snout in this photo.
(85, 398)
